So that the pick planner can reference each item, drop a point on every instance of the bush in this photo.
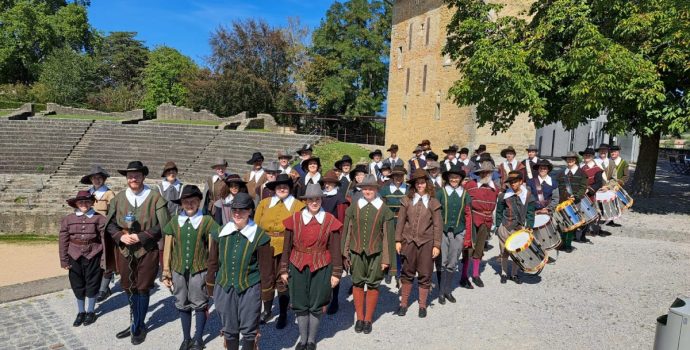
(117, 99)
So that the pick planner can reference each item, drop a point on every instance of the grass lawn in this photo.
(83, 117)
(333, 151)
(186, 122)
(4, 113)
(28, 238)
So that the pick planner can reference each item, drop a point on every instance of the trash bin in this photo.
(673, 330)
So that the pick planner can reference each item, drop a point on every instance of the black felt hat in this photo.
(345, 159)
(135, 166)
(360, 168)
(81, 195)
(454, 169)
(305, 163)
(256, 157)
(188, 191)
(376, 152)
(242, 201)
(281, 179)
(95, 170)
(588, 151)
(543, 162)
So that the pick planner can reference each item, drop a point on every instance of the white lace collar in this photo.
(490, 183)
(100, 192)
(546, 179)
(194, 220)
(177, 184)
(332, 192)
(377, 202)
(402, 188)
(523, 194)
(450, 190)
(573, 170)
(248, 231)
(315, 178)
(255, 174)
(136, 199)
(617, 160)
(307, 216)
(90, 213)
(287, 201)
(424, 198)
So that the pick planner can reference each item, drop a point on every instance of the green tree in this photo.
(574, 59)
(31, 29)
(68, 77)
(123, 58)
(348, 73)
(164, 76)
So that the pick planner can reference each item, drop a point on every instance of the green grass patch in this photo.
(330, 152)
(257, 130)
(186, 122)
(4, 113)
(28, 238)
(83, 117)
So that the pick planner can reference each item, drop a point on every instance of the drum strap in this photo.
(568, 185)
(540, 192)
(528, 165)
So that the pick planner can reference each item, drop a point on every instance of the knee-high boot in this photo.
(283, 302)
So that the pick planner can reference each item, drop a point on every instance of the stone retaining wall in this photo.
(167, 111)
(54, 108)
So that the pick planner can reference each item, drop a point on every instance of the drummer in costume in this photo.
(392, 194)
(102, 197)
(514, 211)
(223, 212)
(240, 275)
(269, 216)
(595, 181)
(368, 247)
(451, 158)
(334, 203)
(530, 163)
(393, 160)
(312, 175)
(456, 214)
(622, 173)
(483, 193)
(605, 163)
(257, 176)
(187, 242)
(136, 218)
(418, 161)
(311, 263)
(215, 187)
(271, 170)
(376, 163)
(418, 239)
(544, 187)
(344, 165)
(81, 253)
(572, 184)
(510, 164)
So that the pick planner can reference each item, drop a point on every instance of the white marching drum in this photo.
(545, 231)
(607, 204)
(588, 210)
(526, 253)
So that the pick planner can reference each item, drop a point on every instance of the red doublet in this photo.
(483, 203)
(310, 241)
(591, 176)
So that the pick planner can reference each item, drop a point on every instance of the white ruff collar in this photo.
(248, 231)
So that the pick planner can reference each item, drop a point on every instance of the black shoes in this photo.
(478, 282)
(402, 310)
(516, 279)
(359, 326)
(613, 224)
(504, 279)
(310, 346)
(139, 338)
(465, 283)
(441, 299)
(90, 318)
(367, 327)
(450, 298)
(123, 334)
(422, 312)
(79, 320)
(197, 345)
(186, 344)
(300, 346)
(604, 233)
(103, 295)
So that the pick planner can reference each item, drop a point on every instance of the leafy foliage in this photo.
(164, 76)
(69, 77)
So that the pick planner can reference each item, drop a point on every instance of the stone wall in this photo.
(54, 108)
(419, 78)
(170, 112)
(26, 110)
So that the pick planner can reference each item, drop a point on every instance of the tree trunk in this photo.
(645, 172)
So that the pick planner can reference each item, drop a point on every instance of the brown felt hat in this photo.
(81, 195)
(95, 170)
(507, 150)
(393, 148)
(169, 165)
(329, 177)
(418, 174)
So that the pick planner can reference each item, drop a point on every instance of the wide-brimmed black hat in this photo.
(386, 165)
(135, 166)
(603, 146)
(507, 150)
(256, 157)
(588, 150)
(451, 149)
(81, 195)
(169, 165)
(481, 148)
(359, 168)
(399, 170)
(464, 150)
(570, 154)
(372, 154)
(431, 156)
(615, 148)
(281, 179)
(454, 169)
(542, 162)
(305, 163)
(532, 148)
(514, 176)
(485, 157)
(242, 201)
(305, 147)
(188, 191)
(345, 159)
(393, 148)
(95, 170)
(234, 179)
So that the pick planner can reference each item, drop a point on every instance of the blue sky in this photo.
(187, 25)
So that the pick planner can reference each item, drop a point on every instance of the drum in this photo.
(607, 205)
(525, 251)
(623, 197)
(545, 231)
(567, 216)
(588, 210)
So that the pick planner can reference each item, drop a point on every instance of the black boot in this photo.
(283, 301)
(333, 306)
(267, 314)
(79, 320)
(233, 344)
(441, 297)
(248, 344)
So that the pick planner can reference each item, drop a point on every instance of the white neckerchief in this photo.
(215, 178)
(546, 179)
(449, 190)
(194, 220)
(438, 180)
(448, 162)
(177, 184)
(332, 192)
(514, 163)
(248, 231)
(424, 198)
(385, 178)
(136, 199)
(377, 203)
(255, 174)
(402, 188)
(100, 192)
(535, 159)
(373, 167)
(286, 170)
(228, 199)
(287, 201)
(617, 161)
(466, 161)
(316, 177)
(343, 175)
(522, 195)
(88, 214)
(572, 170)
(491, 184)
(306, 216)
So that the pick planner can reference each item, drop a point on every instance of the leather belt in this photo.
(311, 250)
(276, 234)
(77, 241)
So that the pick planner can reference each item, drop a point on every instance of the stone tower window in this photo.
(437, 110)
(424, 80)
(404, 111)
(409, 37)
(400, 57)
(428, 28)
(407, 82)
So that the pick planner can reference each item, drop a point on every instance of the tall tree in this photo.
(574, 59)
(348, 73)
(68, 77)
(123, 58)
(164, 77)
(31, 29)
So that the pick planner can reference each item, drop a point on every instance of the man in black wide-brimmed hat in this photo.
(257, 176)
(135, 221)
